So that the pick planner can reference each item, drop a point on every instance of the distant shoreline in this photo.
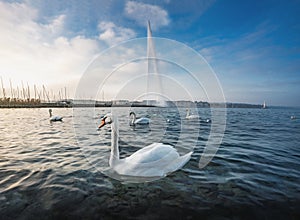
(181, 104)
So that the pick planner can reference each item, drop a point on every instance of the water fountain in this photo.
(154, 84)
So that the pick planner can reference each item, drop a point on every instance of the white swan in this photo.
(189, 116)
(138, 121)
(54, 118)
(155, 160)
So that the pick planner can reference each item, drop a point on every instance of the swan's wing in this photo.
(154, 160)
(56, 118)
(152, 153)
(142, 121)
(178, 163)
(192, 116)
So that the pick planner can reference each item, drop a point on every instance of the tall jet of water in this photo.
(154, 84)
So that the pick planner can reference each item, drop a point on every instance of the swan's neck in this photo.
(50, 114)
(187, 113)
(133, 118)
(114, 154)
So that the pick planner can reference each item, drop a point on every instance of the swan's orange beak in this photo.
(102, 123)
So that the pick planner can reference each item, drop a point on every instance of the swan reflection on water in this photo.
(110, 172)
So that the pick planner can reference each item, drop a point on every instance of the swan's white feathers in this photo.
(192, 116)
(153, 153)
(138, 121)
(56, 118)
(154, 160)
(142, 121)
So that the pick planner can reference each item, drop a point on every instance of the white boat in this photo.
(264, 105)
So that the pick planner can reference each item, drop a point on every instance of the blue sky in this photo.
(252, 46)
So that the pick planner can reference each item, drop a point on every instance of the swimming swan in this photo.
(139, 121)
(54, 118)
(189, 116)
(154, 160)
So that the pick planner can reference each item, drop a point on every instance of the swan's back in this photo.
(142, 121)
(56, 118)
(192, 117)
(153, 152)
(156, 159)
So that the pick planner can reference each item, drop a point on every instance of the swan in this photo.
(154, 160)
(54, 118)
(189, 116)
(139, 121)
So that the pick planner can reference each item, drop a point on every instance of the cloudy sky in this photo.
(253, 47)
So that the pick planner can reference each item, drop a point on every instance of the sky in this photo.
(252, 47)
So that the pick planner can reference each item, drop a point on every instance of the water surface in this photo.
(51, 170)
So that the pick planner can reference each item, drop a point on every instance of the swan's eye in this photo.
(108, 120)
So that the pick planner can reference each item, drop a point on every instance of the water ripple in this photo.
(45, 172)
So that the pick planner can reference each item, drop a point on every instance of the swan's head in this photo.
(107, 119)
(131, 113)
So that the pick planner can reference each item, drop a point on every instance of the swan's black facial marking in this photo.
(108, 120)
(104, 121)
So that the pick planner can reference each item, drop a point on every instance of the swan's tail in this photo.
(179, 162)
(185, 158)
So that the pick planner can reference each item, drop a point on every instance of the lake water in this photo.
(54, 170)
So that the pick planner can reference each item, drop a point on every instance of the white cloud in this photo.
(39, 53)
(113, 34)
(141, 13)
(56, 26)
(9, 12)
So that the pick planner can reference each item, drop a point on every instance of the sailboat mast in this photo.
(18, 92)
(28, 92)
(264, 105)
(59, 96)
(3, 90)
(65, 93)
(11, 89)
(23, 90)
(45, 93)
(34, 92)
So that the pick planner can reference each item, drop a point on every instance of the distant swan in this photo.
(189, 116)
(154, 160)
(138, 121)
(54, 118)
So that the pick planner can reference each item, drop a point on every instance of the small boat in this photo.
(264, 105)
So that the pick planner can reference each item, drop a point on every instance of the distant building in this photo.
(121, 102)
(184, 104)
